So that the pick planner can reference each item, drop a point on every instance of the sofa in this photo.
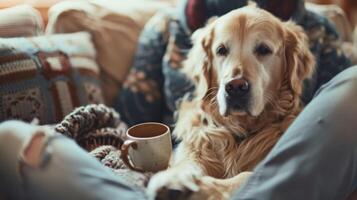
(80, 55)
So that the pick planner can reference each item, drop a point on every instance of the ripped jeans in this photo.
(37, 163)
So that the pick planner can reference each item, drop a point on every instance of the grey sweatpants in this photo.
(315, 159)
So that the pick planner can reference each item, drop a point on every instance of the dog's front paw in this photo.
(173, 183)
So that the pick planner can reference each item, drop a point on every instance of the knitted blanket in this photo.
(100, 130)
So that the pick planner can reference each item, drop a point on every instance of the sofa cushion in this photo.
(19, 21)
(46, 77)
(115, 27)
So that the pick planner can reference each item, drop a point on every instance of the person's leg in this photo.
(37, 163)
(317, 156)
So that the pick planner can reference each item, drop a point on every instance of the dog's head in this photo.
(240, 61)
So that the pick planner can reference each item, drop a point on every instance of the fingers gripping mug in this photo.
(148, 147)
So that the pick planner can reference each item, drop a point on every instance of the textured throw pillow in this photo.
(20, 21)
(46, 77)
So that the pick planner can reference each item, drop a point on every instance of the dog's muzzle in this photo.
(234, 97)
(237, 94)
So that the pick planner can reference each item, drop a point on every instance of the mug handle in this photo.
(125, 155)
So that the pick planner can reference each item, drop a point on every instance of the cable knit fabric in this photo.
(155, 85)
(99, 130)
(89, 118)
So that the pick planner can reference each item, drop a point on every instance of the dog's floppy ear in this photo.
(299, 61)
(198, 65)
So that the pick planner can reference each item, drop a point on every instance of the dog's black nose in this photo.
(237, 87)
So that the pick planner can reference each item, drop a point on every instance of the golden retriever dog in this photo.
(248, 68)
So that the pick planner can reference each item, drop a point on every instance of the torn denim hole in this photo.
(36, 152)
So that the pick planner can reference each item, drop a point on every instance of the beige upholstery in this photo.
(20, 21)
(115, 26)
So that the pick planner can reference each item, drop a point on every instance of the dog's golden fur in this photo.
(209, 144)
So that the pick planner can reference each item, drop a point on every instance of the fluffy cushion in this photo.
(115, 27)
(46, 77)
(20, 21)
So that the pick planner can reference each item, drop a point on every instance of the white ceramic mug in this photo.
(148, 147)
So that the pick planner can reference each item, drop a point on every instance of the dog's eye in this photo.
(222, 50)
(262, 50)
